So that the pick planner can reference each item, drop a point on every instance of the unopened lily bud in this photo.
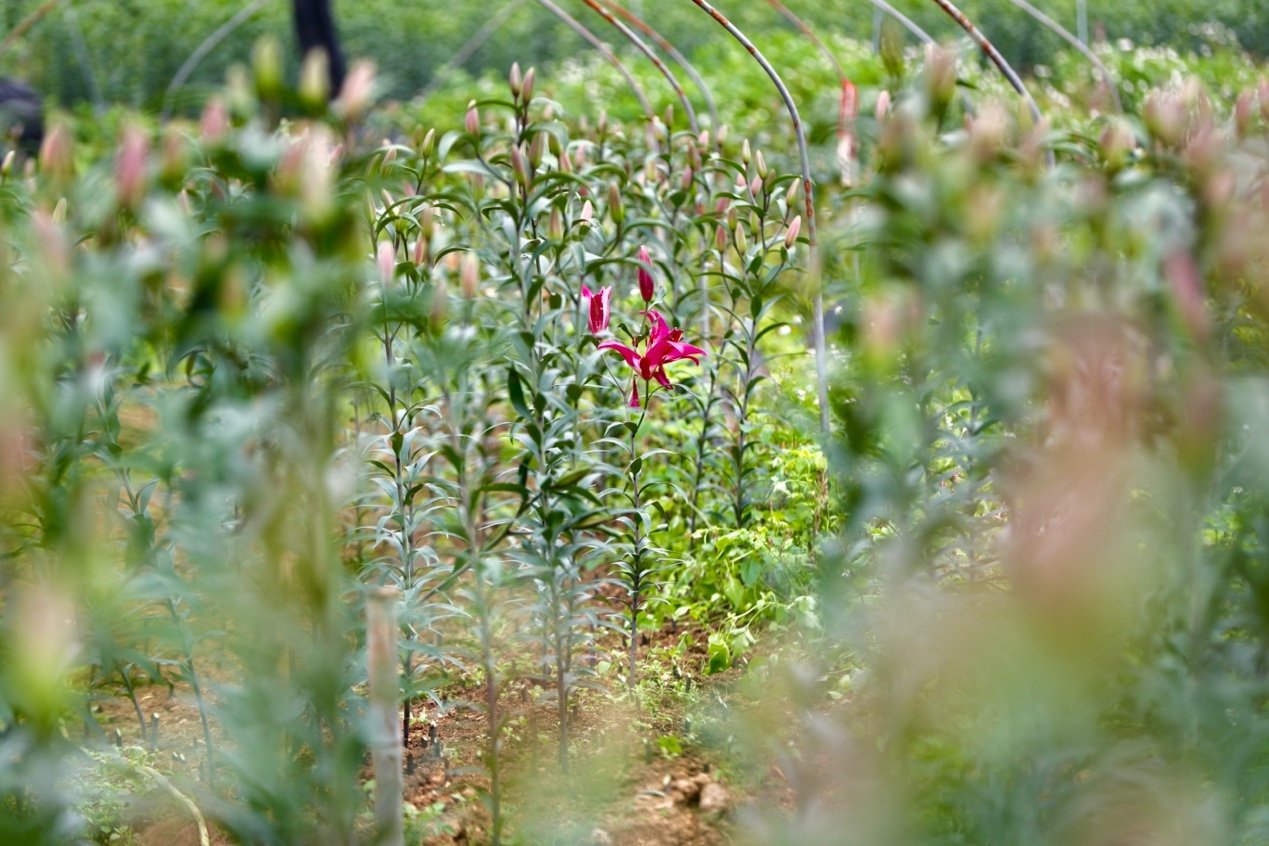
(720, 237)
(722, 134)
(57, 154)
(472, 121)
(266, 61)
(742, 243)
(7, 165)
(791, 236)
(745, 153)
(940, 76)
(315, 79)
(1116, 142)
(668, 119)
(555, 225)
(760, 164)
(732, 219)
(358, 91)
(587, 213)
(705, 138)
(615, 208)
(658, 129)
(518, 166)
(428, 142)
(685, 179)
(386, 262)
(469, 275)
(883, 106)
(440, 302)
(174, 162)
(42, 635)
(1164, 117)
(647, 285)
(526, 90)
(130, 167)
(427, 221)
(421, 254)
(755, 185)
(514, 80)
(537, 149)
(214, 124)
(791, 196)
(601, 125)
(566, 162)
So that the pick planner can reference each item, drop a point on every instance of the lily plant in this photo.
(661, 345)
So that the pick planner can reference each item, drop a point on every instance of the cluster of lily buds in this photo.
(521, 84)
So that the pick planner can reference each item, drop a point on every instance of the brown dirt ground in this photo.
(631, 796)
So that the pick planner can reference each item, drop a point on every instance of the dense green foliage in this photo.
(256, 367)
(109, 52)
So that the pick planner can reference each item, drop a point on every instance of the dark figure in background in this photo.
(21, 116)
(316, 29)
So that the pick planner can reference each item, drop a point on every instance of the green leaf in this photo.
(515, 392)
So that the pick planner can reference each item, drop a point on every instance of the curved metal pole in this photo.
(26, 23)
(464, 53)
(593, 40)
(993, 55)
(200, 52)
(906, 22)
(673, 52)
(1079, 46)
(817, 327)
(643, 48)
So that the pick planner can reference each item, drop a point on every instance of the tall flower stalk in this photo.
(661, 346)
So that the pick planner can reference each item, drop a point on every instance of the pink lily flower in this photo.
(647, 286)
(597, 308)
(664, 345)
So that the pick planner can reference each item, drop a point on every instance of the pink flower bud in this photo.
(472, 120)
(526, 90)
(386, 261)
(515, 81)
(791, 236)
(469, 275)
(130, 167)
(883, 105)
(597, 309)
(57, 153)
(588, 213)
(358, 91)
(214, 123)
(518, 166)
(647, 286)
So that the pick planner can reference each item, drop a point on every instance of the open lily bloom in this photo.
(597, 308)
(664, 345)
